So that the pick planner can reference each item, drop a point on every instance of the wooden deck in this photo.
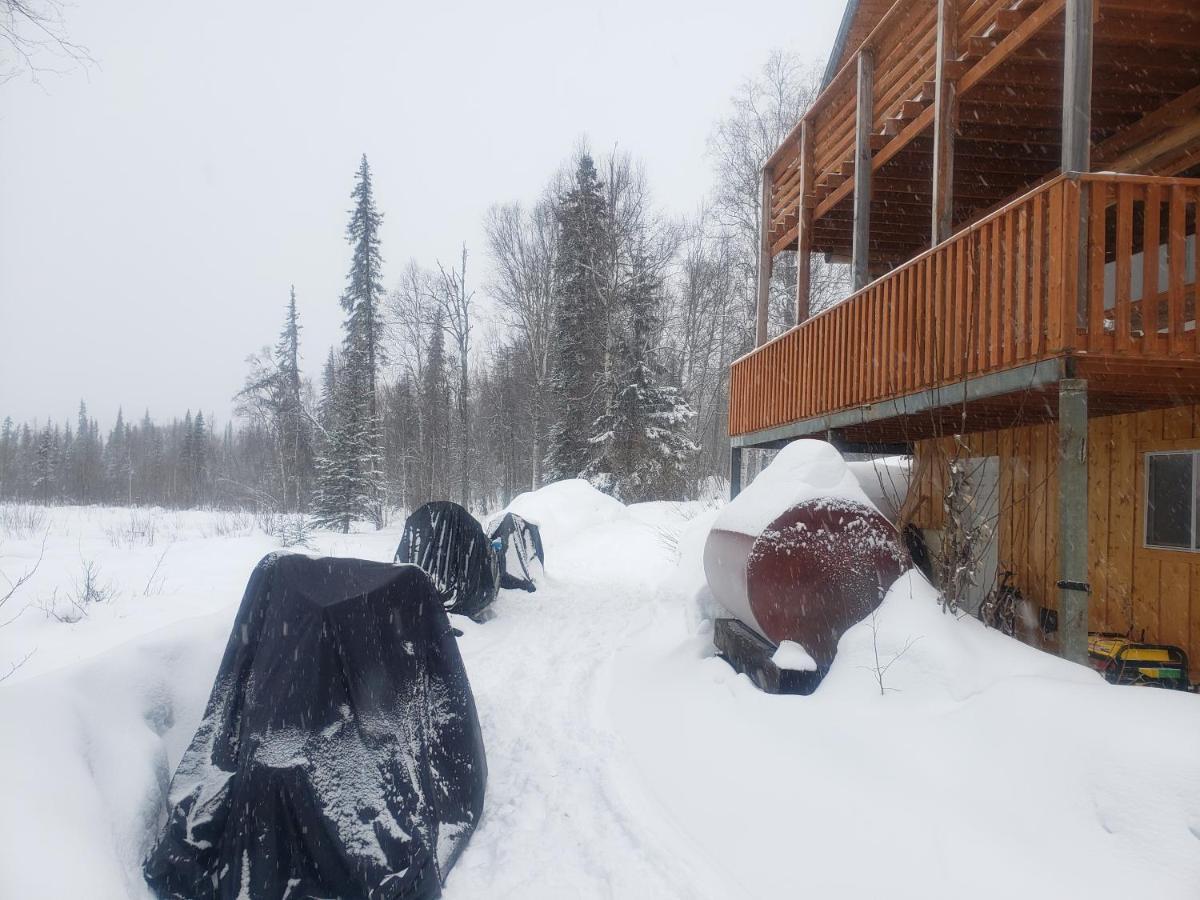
(1056, 275)
(1004, 62)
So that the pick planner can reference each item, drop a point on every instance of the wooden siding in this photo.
(1133, 586)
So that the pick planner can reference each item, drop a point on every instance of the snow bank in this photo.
(563, 510)
(885, 480)
(686, 583)
(803, 470)
(985, 769)
(791, 657)
(85, 757)
(930, 654)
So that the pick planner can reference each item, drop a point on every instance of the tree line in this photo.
(598, 347)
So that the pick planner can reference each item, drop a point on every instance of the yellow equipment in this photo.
(1122, 660)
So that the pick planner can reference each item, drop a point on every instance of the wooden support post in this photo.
(765, 262)
(945, 122)
(1077, 87)
(864, 112)
(735, 471)
(804, 226)
(1073, 519)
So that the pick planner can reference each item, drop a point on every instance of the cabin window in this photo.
(1171, 486)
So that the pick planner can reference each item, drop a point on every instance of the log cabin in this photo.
(1014, 185)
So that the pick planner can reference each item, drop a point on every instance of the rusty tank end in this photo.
(816, 569)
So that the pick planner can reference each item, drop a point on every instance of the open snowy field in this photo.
(624, 760)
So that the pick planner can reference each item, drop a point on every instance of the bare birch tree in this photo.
(456, 303)
(523, 246)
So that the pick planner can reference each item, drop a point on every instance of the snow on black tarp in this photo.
(520, 552)
(340, 754)
(447, 542)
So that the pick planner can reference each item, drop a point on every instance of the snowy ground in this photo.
(624, 761)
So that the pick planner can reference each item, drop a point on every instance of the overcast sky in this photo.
(154, 210)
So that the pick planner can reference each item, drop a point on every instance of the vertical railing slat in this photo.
(1151, 307)
(1122, 303)
(1008, 310)
(1054, 285)
(1021, 278)
(1037, 272)
(960, 308)
(1176, 263)
(1097, 205)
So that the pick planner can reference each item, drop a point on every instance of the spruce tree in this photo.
(579, 331)
(8, 451)
(641, 449)
(45, 465)
(200, 461)
(346, 474)
(183, 467)
(81, 458)
(294, 434)
(116, 461)
(350, 471)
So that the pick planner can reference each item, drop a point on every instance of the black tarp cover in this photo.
(447, 542)
(340, 754)
(520, 555)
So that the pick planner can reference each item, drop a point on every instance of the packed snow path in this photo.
(562, 817)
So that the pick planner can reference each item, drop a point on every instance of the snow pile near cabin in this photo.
(624, 759)
(957, 761)
(885, 480)
(803, 470)
(563, 510)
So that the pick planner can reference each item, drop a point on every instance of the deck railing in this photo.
(903, 43)
(904, 47)
(1010, 289)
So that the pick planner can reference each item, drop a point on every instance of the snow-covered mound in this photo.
(930, 654)
(86, 753)
(563, 510)
(803, 470)
(885, 480)
(937, 759)
(685, 584)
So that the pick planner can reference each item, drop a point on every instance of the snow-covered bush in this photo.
(23, 520)
(138, 528)
(87, 589)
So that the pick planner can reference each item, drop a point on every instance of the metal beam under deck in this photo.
(1035, 376)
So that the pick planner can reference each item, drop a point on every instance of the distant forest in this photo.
(599, 347)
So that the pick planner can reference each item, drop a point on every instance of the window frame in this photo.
(1146, 458)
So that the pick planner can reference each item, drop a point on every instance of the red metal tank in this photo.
(816, 568)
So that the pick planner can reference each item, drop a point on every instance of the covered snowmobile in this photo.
(518, 546)
(340, 753)
(449, 544)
